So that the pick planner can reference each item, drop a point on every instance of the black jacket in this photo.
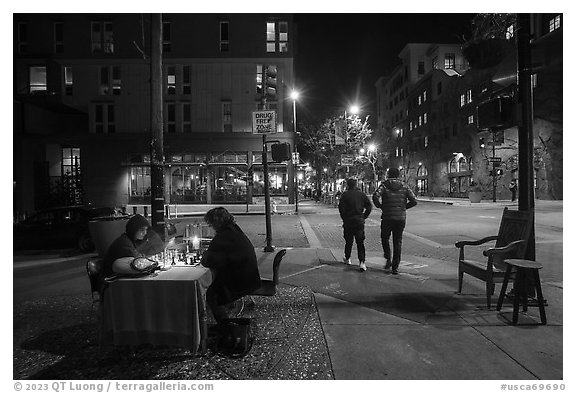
(232, 259)
(354, 207)
(394, 197)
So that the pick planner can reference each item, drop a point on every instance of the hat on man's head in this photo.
(134, 224)
(393, 173)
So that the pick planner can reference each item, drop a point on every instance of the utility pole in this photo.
(525, 127)
(493, 165)
(268, 247)
(156, 128)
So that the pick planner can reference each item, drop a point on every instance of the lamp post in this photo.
(295, 158)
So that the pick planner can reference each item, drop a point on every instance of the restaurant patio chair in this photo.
(93, 268)
(268, 287)
(515, 230)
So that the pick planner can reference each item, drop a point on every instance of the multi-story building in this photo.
(82, 107)
(434, 136)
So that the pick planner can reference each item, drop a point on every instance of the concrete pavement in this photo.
(413, 325)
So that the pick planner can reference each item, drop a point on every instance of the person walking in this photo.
(513, 187)
(354, 208)
(393, 197)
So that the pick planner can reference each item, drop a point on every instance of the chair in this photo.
(268, 287)
(515, 230)
(93, 268)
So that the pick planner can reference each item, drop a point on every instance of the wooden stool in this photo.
(524, 268)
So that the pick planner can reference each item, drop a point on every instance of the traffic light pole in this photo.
(268, 247)
(493, 166)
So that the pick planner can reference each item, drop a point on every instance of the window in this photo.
(435, 62)
(421, 70)
(102, 37)
(68, 81)
(224, 40)
(510, 32)
(420, 120)
(37, 79)
(425, 118)
(426, 141)
(186, 80)
(277, 37)
(186, 118)
(424, 96)
(468, 96)
(171, 117)
(471, 119)
(58, 37)
(399, 152)
(104, 118)
(270, 37)
(22, 37)
(554, 23)
(419, 100)
(450, 60)
(110, 85)
(166, 37)
(226, 116)
(171, 80)
(70, 161)
(411, 126)
(462, 100)
(259, 71)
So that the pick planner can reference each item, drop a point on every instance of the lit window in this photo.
(38, 79)
(110, 85)
(450, 60)
(70, 161)
(116, 81)
(103, 119)
(102, 37)
(166, 37)
(435, 62)
(226, 116)
(224, 40)
(426, 140)
(171, 80)
(68, 81)
(399, 152)
(283, 37)
(554, 23)
(462, 100)
(22, 37)
(420, 120)
(411, 126)
(468, 96)
(58, 37)
(270, 37)
(424, 96)
(425, 118)
(419, 100)
(510, 32)
(471, 119)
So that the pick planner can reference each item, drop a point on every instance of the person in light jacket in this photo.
(393, 197)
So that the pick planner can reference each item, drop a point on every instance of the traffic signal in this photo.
(270, 73)
(281, 152)
(496, 112)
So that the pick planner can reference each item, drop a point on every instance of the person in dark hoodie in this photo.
(354, 208)
(393, 197)
(129, 244)
(232, 260)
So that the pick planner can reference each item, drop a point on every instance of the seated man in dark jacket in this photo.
(232, 260)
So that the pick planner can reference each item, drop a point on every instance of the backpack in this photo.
(235, 337)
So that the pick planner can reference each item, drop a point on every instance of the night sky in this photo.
(340, 56)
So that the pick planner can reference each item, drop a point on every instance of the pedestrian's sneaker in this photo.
(388, 265)
(394, 271)
(347, 261)
(363, 266)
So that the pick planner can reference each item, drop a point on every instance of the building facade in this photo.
(82, 107)
(429, 123)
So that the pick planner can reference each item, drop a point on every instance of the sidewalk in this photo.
(414, 325)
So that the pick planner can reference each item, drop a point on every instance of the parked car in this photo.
(59, 227)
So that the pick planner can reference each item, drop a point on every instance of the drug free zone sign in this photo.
(263, 122)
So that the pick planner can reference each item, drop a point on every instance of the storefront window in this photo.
(187, 184)
(140, 185)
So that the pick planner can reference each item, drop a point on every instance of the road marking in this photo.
(424, 240)
(309, 232)
(302, 271)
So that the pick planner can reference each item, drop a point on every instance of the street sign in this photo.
(264, 122)
(495, 159)
(347, 159)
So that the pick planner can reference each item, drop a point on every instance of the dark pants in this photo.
(351, 233)
(394, 228)
(219, 311)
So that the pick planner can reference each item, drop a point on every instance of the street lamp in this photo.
(294, 95)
